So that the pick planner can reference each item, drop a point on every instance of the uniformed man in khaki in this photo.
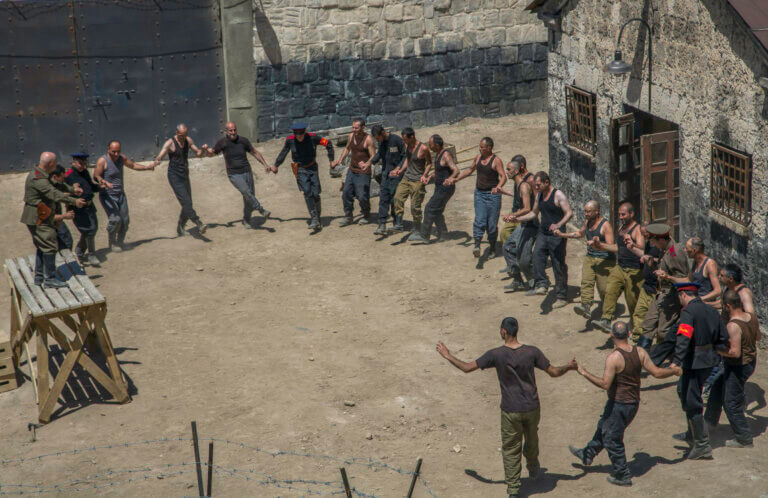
(40, 198)
(665, 308)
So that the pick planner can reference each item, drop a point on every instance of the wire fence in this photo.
(182, 471)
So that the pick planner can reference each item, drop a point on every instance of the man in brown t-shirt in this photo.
(515, 363)
(621, 378)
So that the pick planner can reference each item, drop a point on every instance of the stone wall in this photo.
(415, 63)
(705, 72)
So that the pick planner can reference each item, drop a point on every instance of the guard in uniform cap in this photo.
(303, 147)
(85, 219)
(40, 197)
(699, 331)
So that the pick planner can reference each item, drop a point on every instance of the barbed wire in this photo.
(246, 474)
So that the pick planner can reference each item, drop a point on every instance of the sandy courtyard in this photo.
(266, 337)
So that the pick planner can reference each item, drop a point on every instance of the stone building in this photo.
(691, 149)
(418, 62)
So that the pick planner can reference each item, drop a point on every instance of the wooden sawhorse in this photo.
(81, 308)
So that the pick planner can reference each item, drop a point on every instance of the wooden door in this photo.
(661, 179)
(626, 180)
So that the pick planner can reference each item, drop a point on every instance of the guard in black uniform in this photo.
(699, 331)
(303, 147)
(85, 220)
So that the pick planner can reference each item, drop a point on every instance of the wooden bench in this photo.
(79, 307)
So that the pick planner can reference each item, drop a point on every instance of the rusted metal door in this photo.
(626, 180)
(661, 179)
(87, 72)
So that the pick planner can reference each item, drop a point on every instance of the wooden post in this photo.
(197, 459)
(344, 479)
(210, 469)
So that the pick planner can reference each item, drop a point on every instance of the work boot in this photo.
(346, 221)
(515, 285)
(602, 325)
(580, 455)
(180, 228)
(701, 449)
(538, 291)
(319, 207)
(93, 260)
(506, 269)
(202, 227)
(492, 248)
(735, 443)
(247, 222)
(80, 248)
(582, 310)
(559, 303)
(314, 224)
(685, 437)
(365, 219)
(618, 481)
(644, 342)
(49, 267)
(476, 249)
(416, 236)
(381, 230)
(265, 213)
(441, 229)
(398, 225)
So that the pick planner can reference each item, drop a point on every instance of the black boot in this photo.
(440, 228)
(49, 265)
(39, 267)
(398, 225)
(201, 227)
(701, 450)
(180, 228)
(492, 247)
(319, 207)
(476, 250)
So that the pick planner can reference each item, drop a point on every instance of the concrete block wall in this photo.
(418, 63)
(696, 42)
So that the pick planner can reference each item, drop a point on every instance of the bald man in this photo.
(236, 149)
(177, 147)
(109, 173)
(40, 200)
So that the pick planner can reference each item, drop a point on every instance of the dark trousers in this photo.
(728, 392)
(689, 390)
(116, 207)
(613, 422)
(64, 236)
(357, 186)
(309, 184)
(387, 195)
(433, 212)
(518, 252)
(179, 181)
(553, 247)
(243, 182)
(665, 348)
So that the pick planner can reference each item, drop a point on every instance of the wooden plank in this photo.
(22, 289)
(97, 318)
(78, 271)
(52, 294)
(77, 290)
(43, 388)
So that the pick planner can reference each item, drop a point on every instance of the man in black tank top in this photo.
(518, 242)
(704, 271)
(177, 147)
(555, 213)
(621, 378)
(597, 264)
(444, 169)
(627, 275)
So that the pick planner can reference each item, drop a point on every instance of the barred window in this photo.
(731, 193)
(581, 109)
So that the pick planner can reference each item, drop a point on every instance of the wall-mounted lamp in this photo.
(620, 66)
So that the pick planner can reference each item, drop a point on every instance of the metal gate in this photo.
(75, 75)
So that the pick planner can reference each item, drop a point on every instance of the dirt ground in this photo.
(265, 336)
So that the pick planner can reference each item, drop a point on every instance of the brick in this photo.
(295, 72)
(424, 46)
(525, 52)
(509, 55)
(393, 12)
(540, 52)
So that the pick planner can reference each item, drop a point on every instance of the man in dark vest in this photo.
(621, 378)
(700, 331)
(303, 149)
(177, 147)
(357, 184)
(391, 153)
(518, 243)
(555, 213)
(109, 173)
(40, 197)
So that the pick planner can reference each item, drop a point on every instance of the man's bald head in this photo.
(591, 210)
(181, 129)
(592, 205)
(620, 330)
(47, 160)
(231, 128)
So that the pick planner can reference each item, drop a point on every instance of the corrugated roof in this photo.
(755, 15)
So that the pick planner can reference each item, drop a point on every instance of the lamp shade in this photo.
(618, 65)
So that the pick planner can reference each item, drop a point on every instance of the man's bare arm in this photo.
(255, 153)
(561, 370)
(136, 166)
(747, 303)
(461, 365)
(573, 235)
(611, 365)
(344, 152)
(734, 336)
(659, 373)
(716, 292)
(166, 148)
(424, 154)
(531, 214)
(498, 165)
(195, 149)
(562, 202)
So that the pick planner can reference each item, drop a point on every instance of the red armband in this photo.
(686, 330)
(323, 141)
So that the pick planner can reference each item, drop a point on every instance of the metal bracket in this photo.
(98, 103)
(127, 93)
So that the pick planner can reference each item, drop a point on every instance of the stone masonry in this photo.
(705, 79)
(417, 63)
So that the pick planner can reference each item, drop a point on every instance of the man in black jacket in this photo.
(391, 153)
(303, 148)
